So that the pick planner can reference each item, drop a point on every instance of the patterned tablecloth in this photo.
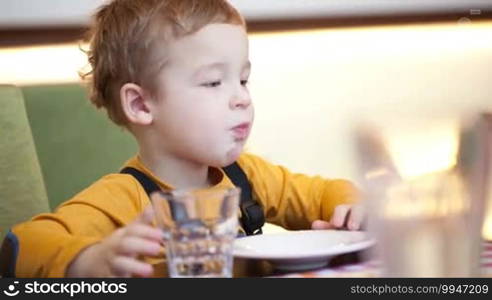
(372, 268)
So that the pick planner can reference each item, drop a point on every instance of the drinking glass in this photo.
(199, 228)
(419, 178)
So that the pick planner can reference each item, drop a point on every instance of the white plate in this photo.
(300, 250)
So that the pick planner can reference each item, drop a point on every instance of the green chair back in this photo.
(22, 191)
(76, 143)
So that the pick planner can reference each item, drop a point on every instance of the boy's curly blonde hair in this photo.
(124, 37)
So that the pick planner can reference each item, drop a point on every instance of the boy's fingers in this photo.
(123, 266)
(147, 216)
(340, 215)
(356, 217)
(135, 246)
(320, 225)
(145, 232)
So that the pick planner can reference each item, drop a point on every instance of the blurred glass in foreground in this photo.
(424, 181)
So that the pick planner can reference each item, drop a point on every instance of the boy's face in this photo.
(204, 112)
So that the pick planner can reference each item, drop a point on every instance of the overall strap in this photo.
(252, 216)
(177, 209)
(147, 183)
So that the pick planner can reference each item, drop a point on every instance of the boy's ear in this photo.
(134, 102)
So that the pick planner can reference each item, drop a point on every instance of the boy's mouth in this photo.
(241, 131)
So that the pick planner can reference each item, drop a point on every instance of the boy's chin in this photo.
(233, 155)
(229, 158)
(223, 159)
(225, 162)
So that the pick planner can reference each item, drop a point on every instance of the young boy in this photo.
(175, 74)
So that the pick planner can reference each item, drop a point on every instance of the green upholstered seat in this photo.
(22, 191)
(76, 143)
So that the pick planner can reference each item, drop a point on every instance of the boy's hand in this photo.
(117, 255)
(345, 216)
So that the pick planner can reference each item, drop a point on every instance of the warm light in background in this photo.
(415, 167)
(41, 64)
(487, 226)
(345, 42)
(60, 63)
(418, 149)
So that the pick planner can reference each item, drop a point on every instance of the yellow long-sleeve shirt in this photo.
(49, 242)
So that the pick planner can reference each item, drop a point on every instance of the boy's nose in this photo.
(241, 99)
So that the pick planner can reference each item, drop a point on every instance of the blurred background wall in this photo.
(311, 87)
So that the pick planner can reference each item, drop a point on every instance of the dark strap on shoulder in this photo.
(252, 216)
(177, 209)
(147, 183)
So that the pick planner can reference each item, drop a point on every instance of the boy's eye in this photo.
(212, 84)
